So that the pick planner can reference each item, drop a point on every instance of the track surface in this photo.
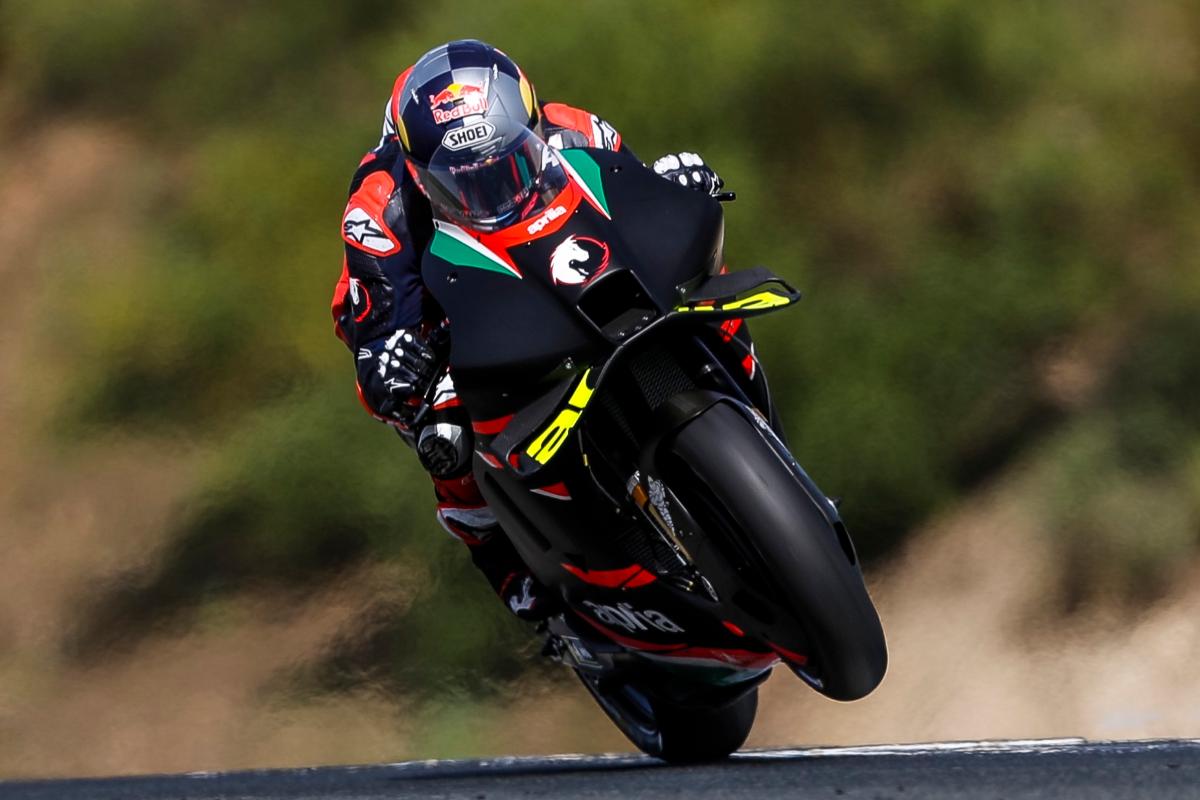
(1055, 768)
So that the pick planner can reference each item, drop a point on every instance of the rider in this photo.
(466, 140)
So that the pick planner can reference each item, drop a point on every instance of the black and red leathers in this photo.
(379, 304)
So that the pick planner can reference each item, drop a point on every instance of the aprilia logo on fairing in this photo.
(545, 219)
(625, 616)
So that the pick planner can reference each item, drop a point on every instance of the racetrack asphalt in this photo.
(1050, 768)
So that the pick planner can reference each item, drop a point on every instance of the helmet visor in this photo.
(504, 179)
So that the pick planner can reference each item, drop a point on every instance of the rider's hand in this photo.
(404, 368)
(688, 169)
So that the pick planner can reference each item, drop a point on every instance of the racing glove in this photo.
(688, 169)
(395, 375)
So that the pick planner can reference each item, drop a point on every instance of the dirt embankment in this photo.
(974, 655)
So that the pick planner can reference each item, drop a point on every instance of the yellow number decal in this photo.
(543, 448)
(755, 302)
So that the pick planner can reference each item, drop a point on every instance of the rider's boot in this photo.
(445, 448)
(463, 513)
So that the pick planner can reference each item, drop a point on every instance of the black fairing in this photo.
(613, 485)
(511, 336)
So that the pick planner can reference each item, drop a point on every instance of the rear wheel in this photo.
(795, 566)
(675, 733)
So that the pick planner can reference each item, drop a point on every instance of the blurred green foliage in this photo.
(966, 191)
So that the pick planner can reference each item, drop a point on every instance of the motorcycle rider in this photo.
(465, 140)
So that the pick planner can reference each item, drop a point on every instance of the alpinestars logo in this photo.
(603, 134)
(578, 260)
(359, 228)
(360, 300)
(626, 616)
(525, 601)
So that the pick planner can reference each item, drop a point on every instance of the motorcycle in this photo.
(627, 442)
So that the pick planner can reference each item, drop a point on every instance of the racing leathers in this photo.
(399, 336)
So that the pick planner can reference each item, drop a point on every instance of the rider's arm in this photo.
(377, 303)
(567, 126)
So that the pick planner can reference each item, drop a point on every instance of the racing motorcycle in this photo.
(627, 442)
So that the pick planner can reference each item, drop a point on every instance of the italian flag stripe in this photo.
(451, 243)
(586, 173)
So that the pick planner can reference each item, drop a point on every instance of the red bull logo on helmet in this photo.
(456, 101)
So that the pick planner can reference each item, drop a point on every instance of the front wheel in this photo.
(675, 733)
(797, 581)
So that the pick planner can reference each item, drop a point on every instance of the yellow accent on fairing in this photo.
(543, 448)
(579, 398)
(755, 302)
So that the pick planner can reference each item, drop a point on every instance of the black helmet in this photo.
(468, 122)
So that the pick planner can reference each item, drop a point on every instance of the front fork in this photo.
(742, 376)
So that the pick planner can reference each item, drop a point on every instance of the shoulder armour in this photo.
(363, 224)
(597, 132)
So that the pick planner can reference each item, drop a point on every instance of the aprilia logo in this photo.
(468, 136)
(545, 219)
(625, 616)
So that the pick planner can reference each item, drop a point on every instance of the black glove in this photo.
(689, 169)
(403, 369)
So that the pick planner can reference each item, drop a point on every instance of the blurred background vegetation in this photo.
(992, 209)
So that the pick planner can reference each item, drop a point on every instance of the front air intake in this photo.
(618, 305)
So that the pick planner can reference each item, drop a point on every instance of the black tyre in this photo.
(739, 485)
(676, 734)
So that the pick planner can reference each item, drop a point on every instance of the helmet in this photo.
(468, 120)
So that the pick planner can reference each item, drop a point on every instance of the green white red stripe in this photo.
(451, 243)
(585, 172)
